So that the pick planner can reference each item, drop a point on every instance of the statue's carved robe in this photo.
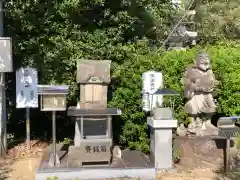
(198, 86)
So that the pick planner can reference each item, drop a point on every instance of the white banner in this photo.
(152, 81)
(26, 88)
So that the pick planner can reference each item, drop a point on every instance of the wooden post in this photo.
(28, 127)
(3, 116)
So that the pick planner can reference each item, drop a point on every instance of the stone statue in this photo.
(199, 82)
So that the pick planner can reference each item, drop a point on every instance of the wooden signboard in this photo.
(53, 102)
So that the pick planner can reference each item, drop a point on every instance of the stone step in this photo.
(61, 150)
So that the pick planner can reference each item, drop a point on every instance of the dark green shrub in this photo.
(127, 88)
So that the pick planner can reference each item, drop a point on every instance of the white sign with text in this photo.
(26, 88)
(152, 81)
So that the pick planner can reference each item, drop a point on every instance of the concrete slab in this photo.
(133, 164)
(97, 174)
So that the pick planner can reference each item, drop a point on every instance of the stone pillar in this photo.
(77, 135)
(161, 142)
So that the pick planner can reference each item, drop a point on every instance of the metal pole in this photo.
(1, 18)
(54, 160)
(227, 155)
(54, 136)
(28, 127)
(81, 135)
(3, 122)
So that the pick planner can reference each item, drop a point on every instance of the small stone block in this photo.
(51, 161)
(162, 113)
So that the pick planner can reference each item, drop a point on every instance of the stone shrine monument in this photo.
(93, 126)
(199, 83)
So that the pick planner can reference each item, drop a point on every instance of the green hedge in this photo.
(127, 85)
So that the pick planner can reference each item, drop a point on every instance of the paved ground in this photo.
(200, 174)
(22, 169)
(21, 165)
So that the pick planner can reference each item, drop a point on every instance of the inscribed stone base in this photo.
(209, 129)
(90, 151)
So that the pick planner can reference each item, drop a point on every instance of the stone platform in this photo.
(133, 164)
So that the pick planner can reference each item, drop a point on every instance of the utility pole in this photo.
(3, 119)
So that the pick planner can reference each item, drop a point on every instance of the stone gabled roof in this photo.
(93, 68)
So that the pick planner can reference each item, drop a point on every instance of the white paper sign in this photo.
(26, 88)
(152, 81)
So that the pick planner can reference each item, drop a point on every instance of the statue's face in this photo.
(203, 64)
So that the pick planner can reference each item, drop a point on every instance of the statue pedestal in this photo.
(161, 142)
(209, 129)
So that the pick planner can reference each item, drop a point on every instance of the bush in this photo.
(52, 178)
(52, 37)
(127, 86)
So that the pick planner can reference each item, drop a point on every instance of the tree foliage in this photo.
(53, 36)
(218, 20)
